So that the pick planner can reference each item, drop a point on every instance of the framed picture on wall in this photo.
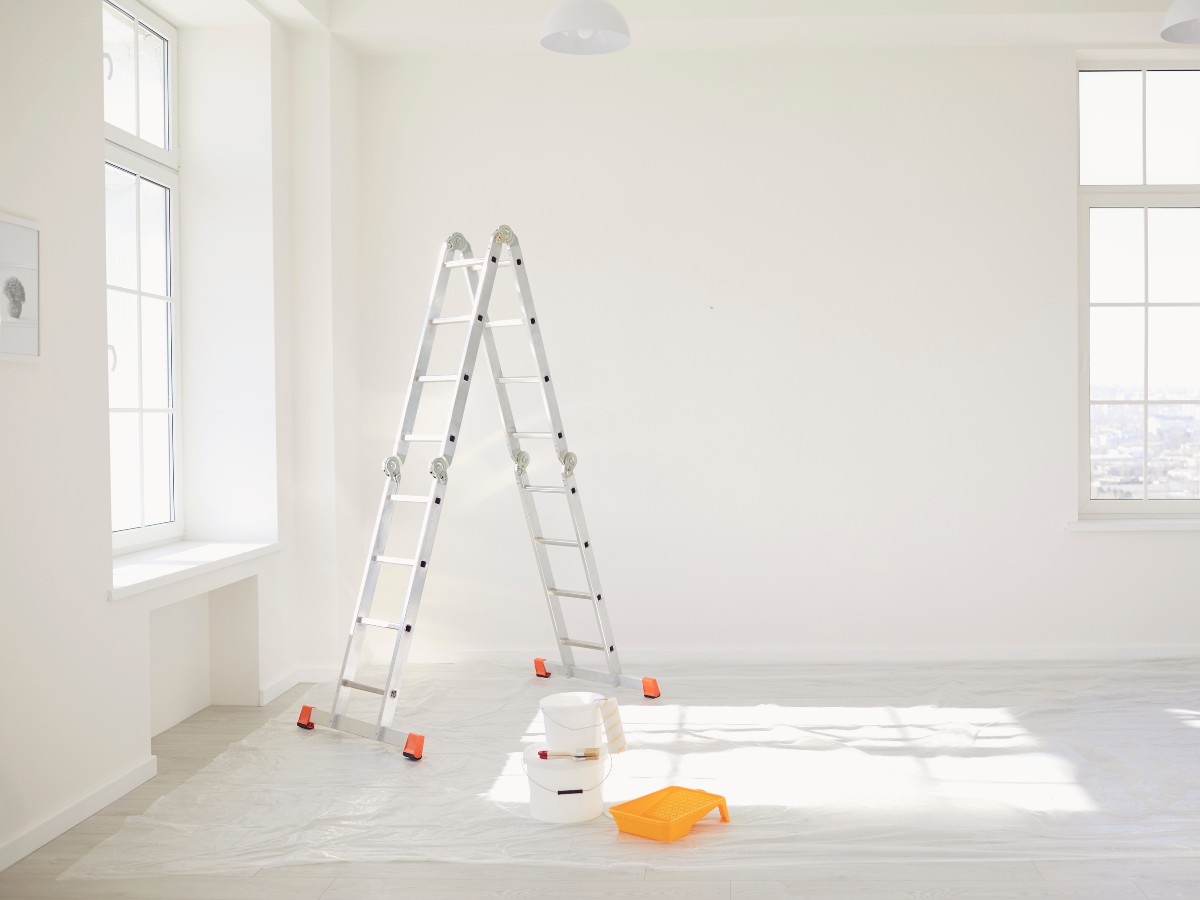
(20, 294)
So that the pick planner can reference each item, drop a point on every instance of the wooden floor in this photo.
(191, 744)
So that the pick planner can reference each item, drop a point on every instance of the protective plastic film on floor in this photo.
(829, 764)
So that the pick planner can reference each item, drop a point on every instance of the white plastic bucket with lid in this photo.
(573, 721)
(565, 790)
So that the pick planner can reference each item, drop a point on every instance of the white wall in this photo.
(84, 697)
(180, 670)
(75, 666)
(812, 317)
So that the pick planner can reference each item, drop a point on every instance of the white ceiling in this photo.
(387, 27)
(391, 26)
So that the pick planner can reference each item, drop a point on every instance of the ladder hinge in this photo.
(503, 235)
(569, 461)
(391, 468)
(458, 242)
(438, 467)
(521, 458)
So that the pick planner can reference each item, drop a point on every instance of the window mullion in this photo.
(137, 256)
(1145, 341)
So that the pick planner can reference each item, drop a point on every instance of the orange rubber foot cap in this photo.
(539, 668)
(414, 746)
(650, 689)
(305, 717)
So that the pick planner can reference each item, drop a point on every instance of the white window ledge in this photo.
(186, 561)
(1092, 525)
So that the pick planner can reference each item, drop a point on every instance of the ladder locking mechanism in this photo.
(503, 235)
(569, 461)
(521, 458)
(438, 467)
(391, 468)
(458, 242)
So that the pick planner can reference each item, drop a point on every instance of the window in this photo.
(141, 232)
(1139, 177)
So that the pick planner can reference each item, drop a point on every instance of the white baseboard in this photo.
(637, 657)
(308, 675)
(47, 830)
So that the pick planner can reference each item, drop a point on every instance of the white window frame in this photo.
(141, 158)
(119, 136)
(1121, 196)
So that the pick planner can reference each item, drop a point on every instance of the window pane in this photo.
(1117, 452)
(1174, 255)
(119, 100)
(1118, 353)
(152, 87)
(126, 464)
(157, 483)
(123, 350)
(155, 247)
(1110, 127)
(120, 232)
(1174, 371)
(1173, 127)
(1117, 255)
(156, 353)
(1174, 449)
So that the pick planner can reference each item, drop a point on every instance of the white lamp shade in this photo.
(1182, 24)
(585, 26)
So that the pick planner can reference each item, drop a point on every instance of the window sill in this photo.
(185, 561)
(1095, 525)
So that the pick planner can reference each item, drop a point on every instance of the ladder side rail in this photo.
(528, 506)
(437, 297)
(383, 520)
(599, 606)
(569, 483)
(438, 469)
(470, 354)
(527, 502)
(412, 605)
(549, 396)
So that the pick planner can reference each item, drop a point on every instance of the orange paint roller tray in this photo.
(667, 815)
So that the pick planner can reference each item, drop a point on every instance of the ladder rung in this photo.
(408, 498)
(449, 320)
(424, 438)
(395, 561)
(505, 323)
(578, 595)
(556, 542)
(473, 263)
(586, 645)
(545, 489)
(425, 379)
(359, 686)
(519, 379)
(379, 623)
(538, 435)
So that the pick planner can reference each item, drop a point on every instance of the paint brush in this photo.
(589, 753)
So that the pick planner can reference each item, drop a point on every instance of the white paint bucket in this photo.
(565, 790)
(573, 721)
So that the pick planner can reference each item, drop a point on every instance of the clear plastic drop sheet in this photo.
(821, 764)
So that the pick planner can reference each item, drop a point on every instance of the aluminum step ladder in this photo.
(503, 251)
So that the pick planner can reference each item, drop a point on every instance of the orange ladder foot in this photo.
(539, 668)
(414, 746)
(305, 717)
(650, 689)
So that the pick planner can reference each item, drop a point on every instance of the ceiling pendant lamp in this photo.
(1182, 22)
(585, 27)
